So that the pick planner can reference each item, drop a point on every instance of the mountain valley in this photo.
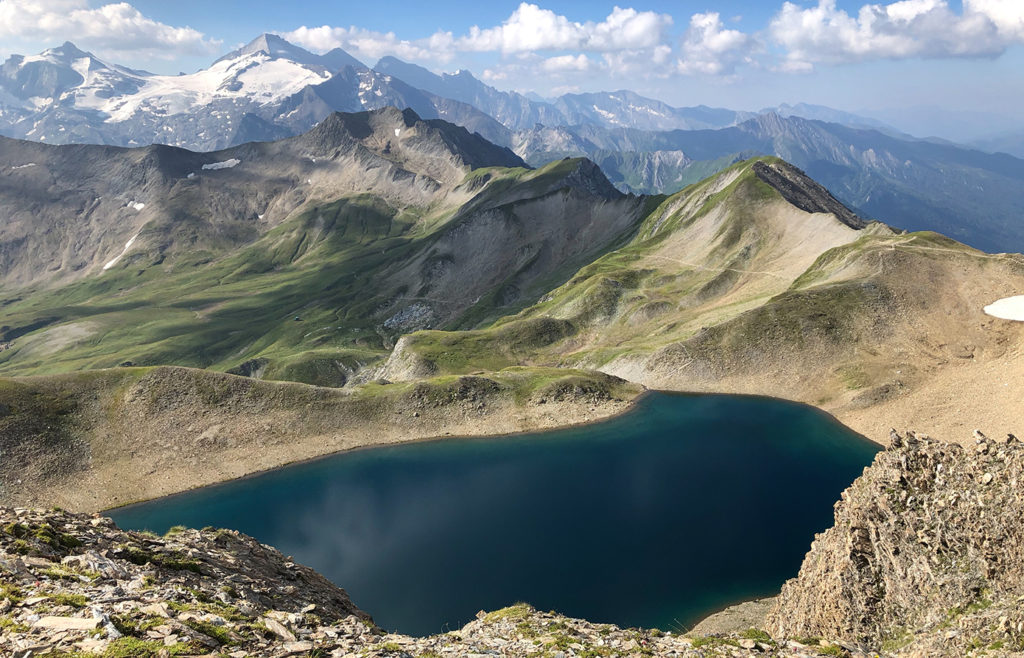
(393, 259)
(290, 292)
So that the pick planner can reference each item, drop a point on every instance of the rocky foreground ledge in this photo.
(925, 559)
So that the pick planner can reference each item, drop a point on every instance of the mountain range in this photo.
(380, 252)
(271, 89)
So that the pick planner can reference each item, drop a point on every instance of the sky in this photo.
(743, 54)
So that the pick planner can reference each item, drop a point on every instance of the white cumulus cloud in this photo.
(532, 28)
(370, 45)
(116, 28)
(564, 63)
(711, 49)
(897, 30)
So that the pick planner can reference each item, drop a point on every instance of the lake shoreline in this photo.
(468, 523)
(631, 406)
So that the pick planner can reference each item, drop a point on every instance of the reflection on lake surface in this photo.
(655, 518)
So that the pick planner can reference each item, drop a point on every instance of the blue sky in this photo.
(742, 54)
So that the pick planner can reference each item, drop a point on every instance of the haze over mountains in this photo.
(271, 89)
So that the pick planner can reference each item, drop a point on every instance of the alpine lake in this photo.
(655, 518)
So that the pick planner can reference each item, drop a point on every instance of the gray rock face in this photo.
(924, 556)
(795, 187)
(63, 221)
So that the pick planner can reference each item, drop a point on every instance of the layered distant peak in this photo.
(412, 74)
(803, 192)
(337, 59)
(771, 125)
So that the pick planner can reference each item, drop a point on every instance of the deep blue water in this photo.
(656, 518)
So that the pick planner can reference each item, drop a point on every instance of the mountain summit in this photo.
(276, 47)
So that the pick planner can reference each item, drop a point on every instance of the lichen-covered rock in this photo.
(926, 556)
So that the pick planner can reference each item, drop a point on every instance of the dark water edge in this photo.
(677, 508)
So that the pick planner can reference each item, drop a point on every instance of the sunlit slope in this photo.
(732, 285)
(327, 290)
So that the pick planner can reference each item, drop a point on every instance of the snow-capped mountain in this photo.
(271, 89)
(268, 89)
(66, 95)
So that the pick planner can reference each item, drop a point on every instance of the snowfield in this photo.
(1009, 308)
(226, 164)
(127, 246)
(120, 93)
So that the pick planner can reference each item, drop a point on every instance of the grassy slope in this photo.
(306, 297)
(90, 440)
(624, 300)
(725, 287)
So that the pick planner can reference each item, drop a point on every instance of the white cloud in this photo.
(564, 63)
(492, 75)
(565, 89)
(117, 28)
(370, 45)
(531, 28)
(711, 49)
(904, 29)
(1007, 15)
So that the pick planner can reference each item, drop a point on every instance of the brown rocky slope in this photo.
(925, 556)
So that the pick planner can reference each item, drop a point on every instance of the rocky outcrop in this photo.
(76, 585)
(924, 556)
(797, 188)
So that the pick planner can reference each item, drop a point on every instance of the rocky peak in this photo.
(589, 177)
(803, 192)
(272, 45)
(67, 52)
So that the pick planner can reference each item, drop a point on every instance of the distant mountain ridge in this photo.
(271, 89)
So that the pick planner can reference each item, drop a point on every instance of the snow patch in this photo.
(136, 205)
(227, 164)
(127, 246)
(398, 131)
(191, 175)
(24, 166)
(1009, 308)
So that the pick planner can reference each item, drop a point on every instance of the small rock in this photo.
(159, 609)
(67, 623)
(279, 629)
(986, 478)
(292, 648)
